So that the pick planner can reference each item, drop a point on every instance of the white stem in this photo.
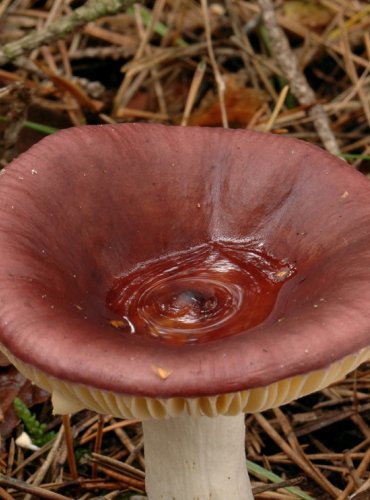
(196, 458)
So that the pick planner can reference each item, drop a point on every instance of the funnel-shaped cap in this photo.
(266, 223)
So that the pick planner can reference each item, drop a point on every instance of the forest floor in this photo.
(293, 67)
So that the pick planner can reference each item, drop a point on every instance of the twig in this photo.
(117, 465)
(126, 480)
(19, 100)
(352, 72)
(154, 71)
(68, 437)
(92, 10)
(90, 434)
(30, 489)
(139, 113)
(298, 83)
(162, 56)
(4, 495)
(193, 91)
(121, 98)
(41, 472)
(362, 467)
(134, 450)
(279, 104)
(273, 487)
(97, 444)
(302, 462)
(3, 6)
(220, 82)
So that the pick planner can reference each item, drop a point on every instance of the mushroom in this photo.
(183, 276)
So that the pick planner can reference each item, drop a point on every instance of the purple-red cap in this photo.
(87, 205)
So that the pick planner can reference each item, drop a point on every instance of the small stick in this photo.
(361, 469)
(11, 456)
(136, 453)
(193, 91)
(89, 426)
(118, 465)
(41, 472)
(129, 481)
(121, 98)
(218, 77)
(98, 443)
(277, 486)
(297, 81)
(365, 487)
(4, 495)
(351, 470)
(154, 71)
(68, 438)
(19, 102)
(126, 441)
(304, 464)
(279, 104)
(4, 5)
(311, 36)
(90, 11)
(30, 489)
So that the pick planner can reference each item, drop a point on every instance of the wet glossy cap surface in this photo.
(86, 205)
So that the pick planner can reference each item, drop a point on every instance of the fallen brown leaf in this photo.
(12, 385)
(241, 104)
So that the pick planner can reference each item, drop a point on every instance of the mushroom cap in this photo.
(89, 204)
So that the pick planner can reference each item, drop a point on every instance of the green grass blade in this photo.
(353, 156)
(159, 28)
(39, 127)
(259, 471)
